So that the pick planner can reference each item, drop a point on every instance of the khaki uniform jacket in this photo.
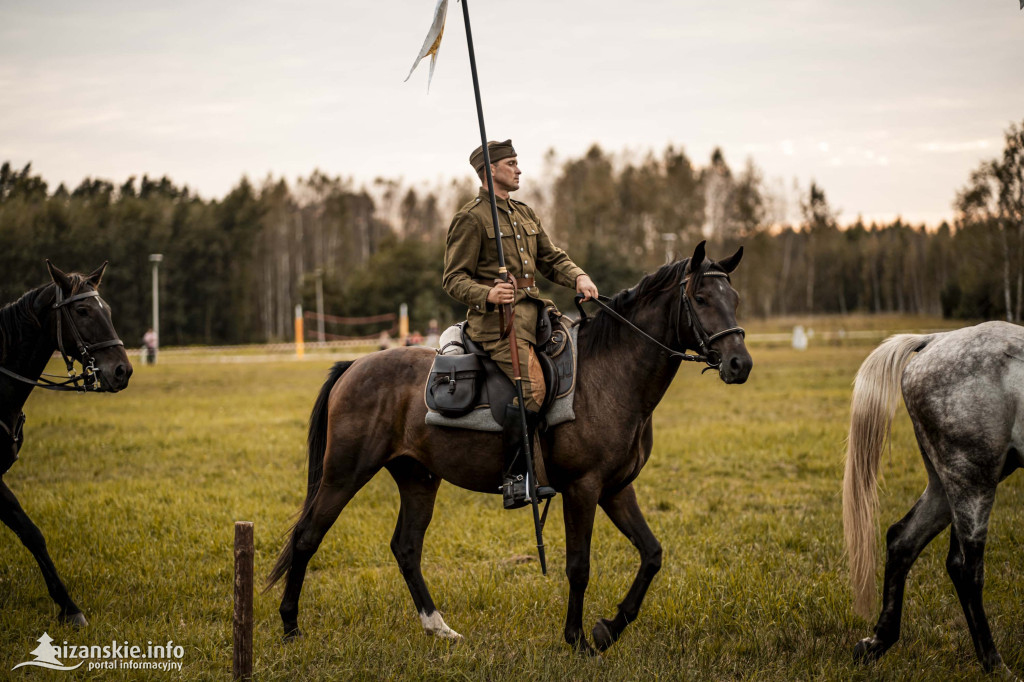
(470, 254)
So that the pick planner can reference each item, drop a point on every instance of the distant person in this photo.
(149, 346)
(414, 339)
(384, 341)
(433, 335)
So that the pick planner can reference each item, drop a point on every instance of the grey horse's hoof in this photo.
(1004, 673)
(75, 620)
(869, 649)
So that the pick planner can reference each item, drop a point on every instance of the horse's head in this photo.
(84, 330)
(708, 315)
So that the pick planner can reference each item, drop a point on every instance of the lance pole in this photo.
(531, 484)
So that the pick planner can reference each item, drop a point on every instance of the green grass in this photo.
(137, 494)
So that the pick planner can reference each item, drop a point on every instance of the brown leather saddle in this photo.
(461, 383)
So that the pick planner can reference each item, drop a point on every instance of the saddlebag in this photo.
(453, 387)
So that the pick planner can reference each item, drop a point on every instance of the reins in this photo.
(707, 355)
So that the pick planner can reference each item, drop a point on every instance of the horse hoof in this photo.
(75, 620)
(292, 634)
(869, 649)
(1005, 673)
(603, 637)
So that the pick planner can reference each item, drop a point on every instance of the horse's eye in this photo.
(701, 300)
(82, 311)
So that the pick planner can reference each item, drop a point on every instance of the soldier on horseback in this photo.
(471, 277)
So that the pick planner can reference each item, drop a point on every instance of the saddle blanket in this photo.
(482, 418)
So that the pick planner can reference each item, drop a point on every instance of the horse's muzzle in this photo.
(736, 368)
(115, 379)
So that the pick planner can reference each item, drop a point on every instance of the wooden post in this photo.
(244, 550)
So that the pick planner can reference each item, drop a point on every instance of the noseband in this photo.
(708, 355)
(87, 380)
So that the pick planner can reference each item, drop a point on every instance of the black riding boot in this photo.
(514, 489)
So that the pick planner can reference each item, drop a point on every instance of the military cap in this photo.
(496, 150)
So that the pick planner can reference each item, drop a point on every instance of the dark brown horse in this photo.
(370, 413)
(68, 315)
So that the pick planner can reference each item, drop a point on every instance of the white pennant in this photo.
(432, 43)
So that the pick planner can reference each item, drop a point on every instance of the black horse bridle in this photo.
(708, 355)
(87, 380)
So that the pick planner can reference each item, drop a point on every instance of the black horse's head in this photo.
(84, 331)
(708, 315)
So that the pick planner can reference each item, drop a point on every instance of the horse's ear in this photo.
(96, 275)
(697, 260)
(58, 277)
(730, 263)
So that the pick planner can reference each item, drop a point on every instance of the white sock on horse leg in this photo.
(434, 625)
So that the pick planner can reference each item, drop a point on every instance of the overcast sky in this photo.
(887, 105)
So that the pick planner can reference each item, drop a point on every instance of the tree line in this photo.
(234, 268)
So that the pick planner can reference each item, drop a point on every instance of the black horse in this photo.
(66, 315)
(370, 416)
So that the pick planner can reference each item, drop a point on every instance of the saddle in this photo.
(463, 377)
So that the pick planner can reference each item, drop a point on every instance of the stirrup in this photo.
(514, 493)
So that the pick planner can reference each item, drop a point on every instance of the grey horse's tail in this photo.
(317, 449)
(876, 394)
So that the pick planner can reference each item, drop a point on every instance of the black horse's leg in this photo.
(17, 520)
(579, 504)
(904, 542)
(966, 566)
(309, 532)
(418, 488)
(625, 513)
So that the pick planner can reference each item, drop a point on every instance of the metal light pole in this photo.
(320, 304)
(155, 259)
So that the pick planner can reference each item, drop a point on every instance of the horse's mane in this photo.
(602, 329)
(19, 317)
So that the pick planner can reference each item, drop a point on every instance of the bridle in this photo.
(88, 379)
(708, 355)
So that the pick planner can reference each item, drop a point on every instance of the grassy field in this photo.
(137, 494)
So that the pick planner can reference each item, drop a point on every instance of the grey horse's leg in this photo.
(418, 489)
(17, 520)
(904, 542)
(966, 566)
(579, 505)
(625, 513)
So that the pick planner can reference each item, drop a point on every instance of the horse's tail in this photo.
(876, 394)
(317, 447)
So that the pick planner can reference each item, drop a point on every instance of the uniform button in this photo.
(521, 250)
(525, 262)
(517, 236)
(514, 224)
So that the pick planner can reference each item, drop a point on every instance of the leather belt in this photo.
(522, 282)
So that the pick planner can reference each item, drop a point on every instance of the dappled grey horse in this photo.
(370, 415)
(964, 391)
